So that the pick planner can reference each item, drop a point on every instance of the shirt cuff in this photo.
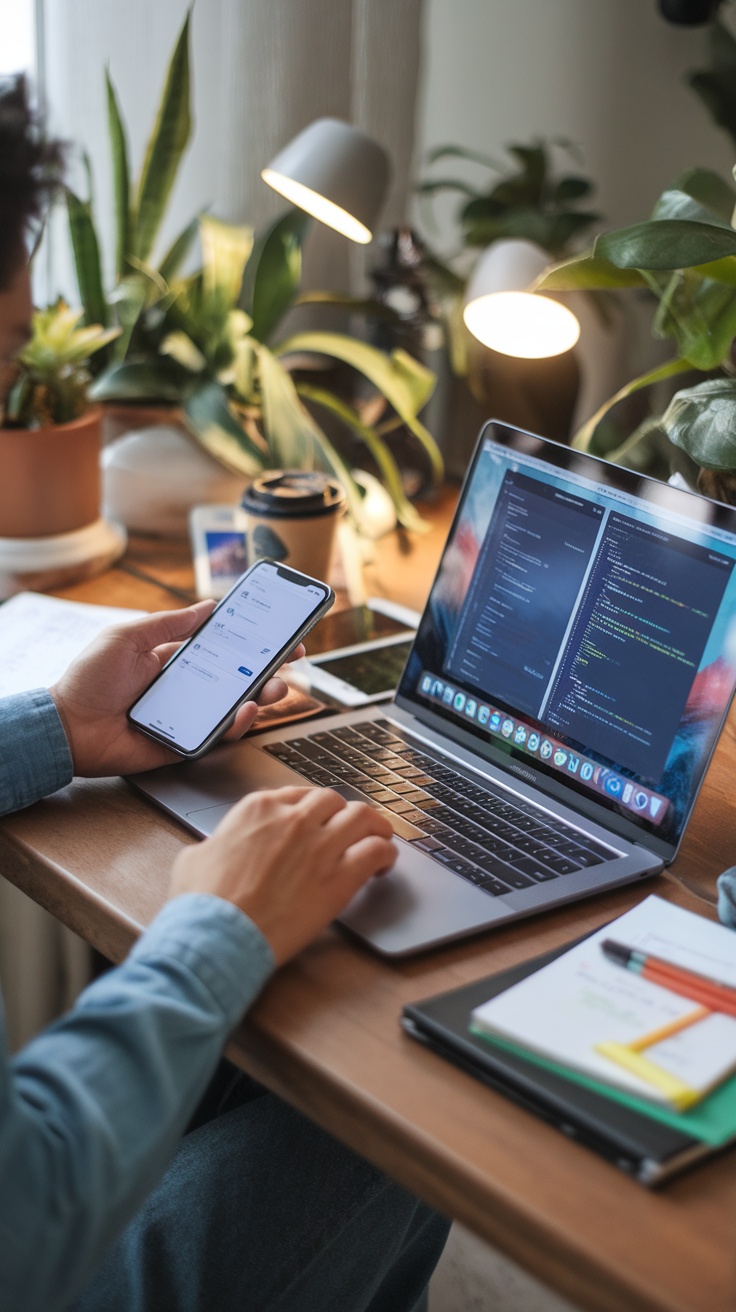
(217, 942)
(35, 759)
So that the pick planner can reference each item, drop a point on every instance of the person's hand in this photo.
(93, 695)
(291, 859)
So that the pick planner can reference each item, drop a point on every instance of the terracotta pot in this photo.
(50, 478)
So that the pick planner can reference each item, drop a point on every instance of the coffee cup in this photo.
(291, 517)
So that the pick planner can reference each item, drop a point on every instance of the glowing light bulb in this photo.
(522, 324)
(318, 206)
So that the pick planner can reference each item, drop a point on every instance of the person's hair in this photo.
(30, 172)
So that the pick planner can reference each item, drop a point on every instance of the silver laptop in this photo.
(562, 699)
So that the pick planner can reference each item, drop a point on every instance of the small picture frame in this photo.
(219, 548)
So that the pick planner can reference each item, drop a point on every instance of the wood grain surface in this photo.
(325, 1032)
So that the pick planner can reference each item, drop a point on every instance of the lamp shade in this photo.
(505, 316)
(336, 173)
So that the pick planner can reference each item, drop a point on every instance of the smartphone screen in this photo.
(250, 632)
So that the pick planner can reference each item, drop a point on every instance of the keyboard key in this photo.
(427, 844)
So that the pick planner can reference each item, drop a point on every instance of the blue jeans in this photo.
(261, 1211)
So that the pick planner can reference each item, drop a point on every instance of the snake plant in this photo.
(208, 342)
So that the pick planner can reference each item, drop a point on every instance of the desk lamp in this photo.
(529, 374)
(505, 316)
(336, 173)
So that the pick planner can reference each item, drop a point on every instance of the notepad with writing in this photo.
(579, 1006)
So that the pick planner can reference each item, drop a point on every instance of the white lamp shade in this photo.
(336, 173)
(505, 316)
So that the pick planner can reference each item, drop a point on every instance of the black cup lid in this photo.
(295, 493)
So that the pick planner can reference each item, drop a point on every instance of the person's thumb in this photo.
(166, 626)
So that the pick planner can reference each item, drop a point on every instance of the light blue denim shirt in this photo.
(91, 1109)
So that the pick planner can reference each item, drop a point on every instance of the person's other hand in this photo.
(93, 695)
(291, 859)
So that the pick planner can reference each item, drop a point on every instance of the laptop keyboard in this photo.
(468, 826)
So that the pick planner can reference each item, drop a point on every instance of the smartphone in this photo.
(193, 699)
(219, 548)
(366, 657)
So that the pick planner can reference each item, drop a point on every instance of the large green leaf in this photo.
(701, 315)
(388, 470)
(406, 384)
(715, 86)
(677, 204)
(130, 298)
(710, 190)
(288, 427)
(275, 272)
(165, 148)
(210, 419)
(226, 249)
(701, 420)
(587, 272)
(178, 251)
(666, 244)
(584, 435)
(87, 259)
(120, 179)
(141, 380)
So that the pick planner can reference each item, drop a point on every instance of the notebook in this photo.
(565, 690)
(650, 1144)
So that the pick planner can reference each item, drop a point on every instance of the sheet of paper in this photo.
(40, 636)
(581, 999)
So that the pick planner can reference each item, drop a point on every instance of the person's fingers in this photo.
(169, 626)
(273, 691)
(356, 822)
(363, 860)
(244, 717)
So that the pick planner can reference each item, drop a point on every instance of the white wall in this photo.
(607, 74)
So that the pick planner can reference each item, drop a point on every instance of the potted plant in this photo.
(50, 431)
(207, 343)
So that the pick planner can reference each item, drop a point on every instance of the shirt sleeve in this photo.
(91, 1110)
(35, 758)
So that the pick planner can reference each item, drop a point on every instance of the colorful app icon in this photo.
(614, 786)
(495, 720)
(626, 795)
(471, 707)
(534, 741)
(655, 804)
(520, 735)
(438, 688)
(459, 701)
(546, 749)
(483, 714)
(573, 763)
(586, 771)
(641, 799)
(448, 695)
(559, 758)
(427, 683)
(507, 728)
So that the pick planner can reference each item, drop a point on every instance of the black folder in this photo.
(645, 1148)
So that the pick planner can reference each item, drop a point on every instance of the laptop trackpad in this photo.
(207, 820)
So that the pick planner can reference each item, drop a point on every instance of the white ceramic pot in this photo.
(152, 477)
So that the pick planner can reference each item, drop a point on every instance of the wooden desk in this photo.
(325, 1032)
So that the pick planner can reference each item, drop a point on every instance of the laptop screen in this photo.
(582, 628)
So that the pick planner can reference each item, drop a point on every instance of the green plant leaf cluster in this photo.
(527, 200)
(52, 381)
(685, 254)
(208, 342)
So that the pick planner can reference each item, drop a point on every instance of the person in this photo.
(138, 1170)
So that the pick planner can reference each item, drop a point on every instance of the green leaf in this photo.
(677, 204)
(406, 384)
(584, 435)
(130, 298)
(431, 186)
(178, 251)
(571, 188)
(587, 272)
(288, 427)
(710, 190)
(210, 419)
(701, 315)
(275, 272)
(86, 259)
(701, 420)
(388, 470)
(141, 380)
(459, 152)
(226, 249)
(165, 148)
(666, 244)
(120, 179)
